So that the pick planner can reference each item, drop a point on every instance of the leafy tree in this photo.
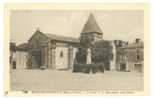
(102, 53)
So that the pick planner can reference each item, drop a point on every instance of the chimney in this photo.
(137, 40)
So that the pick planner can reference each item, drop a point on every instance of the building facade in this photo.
(51, 51)
(131, 57)
(57, 52)
(22, 56)
(18, 56)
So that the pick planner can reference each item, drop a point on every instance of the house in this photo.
(21, 56)
(131, 57)
(18, 56)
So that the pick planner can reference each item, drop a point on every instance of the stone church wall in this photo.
(61, 57)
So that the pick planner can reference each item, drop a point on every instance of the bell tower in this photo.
(91, 32)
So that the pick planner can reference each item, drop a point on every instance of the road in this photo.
(48, 80)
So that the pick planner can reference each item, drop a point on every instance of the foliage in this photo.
(101, 52)
(87, 68)
(81, 55)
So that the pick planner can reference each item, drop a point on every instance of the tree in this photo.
(102, 53)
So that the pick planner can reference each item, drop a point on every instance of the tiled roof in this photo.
(134, 45)
(91, 25)
(62, 38)
(23, 47)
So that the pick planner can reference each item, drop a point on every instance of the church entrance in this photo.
(37, 59)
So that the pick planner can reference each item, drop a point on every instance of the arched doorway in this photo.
(36, 58)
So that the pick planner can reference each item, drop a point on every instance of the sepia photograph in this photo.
(76, 50)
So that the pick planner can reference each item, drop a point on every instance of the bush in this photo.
(77, 67)
(98, 67)
(86, 68)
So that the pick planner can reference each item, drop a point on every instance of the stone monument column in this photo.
(88, 58)
(113, 62)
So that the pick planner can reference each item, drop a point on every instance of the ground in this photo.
(48, 80)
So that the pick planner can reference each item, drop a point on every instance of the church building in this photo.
(58, 52)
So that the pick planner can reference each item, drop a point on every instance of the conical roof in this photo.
(91, 25)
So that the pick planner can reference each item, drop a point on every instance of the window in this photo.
(61, 54)
(138, 55)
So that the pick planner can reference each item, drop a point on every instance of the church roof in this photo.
(56, 37)
(91, 25)
(62, 38)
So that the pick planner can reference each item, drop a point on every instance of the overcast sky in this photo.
(124, 25)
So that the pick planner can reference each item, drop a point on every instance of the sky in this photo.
(124, 25)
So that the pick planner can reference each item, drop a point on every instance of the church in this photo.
(58, 52)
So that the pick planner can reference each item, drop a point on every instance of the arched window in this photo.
(61, 54)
